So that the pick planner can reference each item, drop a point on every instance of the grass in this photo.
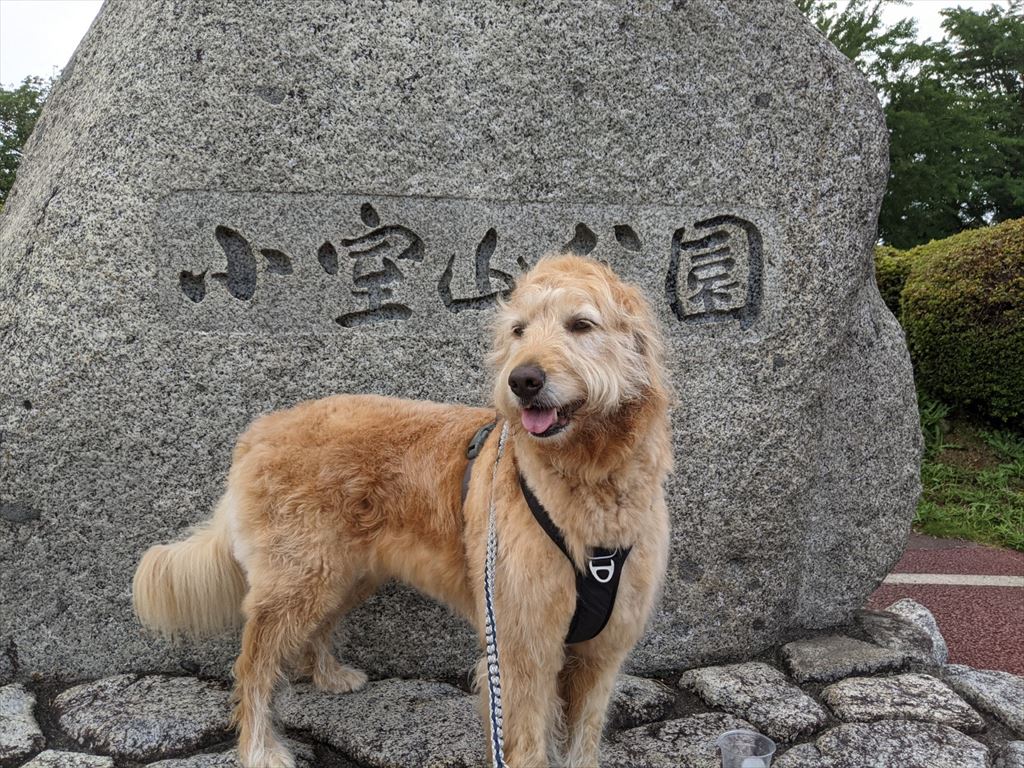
(973, 480)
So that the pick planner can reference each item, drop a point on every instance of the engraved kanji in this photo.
(239, 278)
(375, 269)
(485, 295)
(716, 276)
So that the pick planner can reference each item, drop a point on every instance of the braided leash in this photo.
(490, 628)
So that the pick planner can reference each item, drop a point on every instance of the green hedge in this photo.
(962, 307)
(892, 267)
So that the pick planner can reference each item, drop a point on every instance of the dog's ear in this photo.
(640, 318)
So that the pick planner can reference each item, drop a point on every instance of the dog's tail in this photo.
(194, 587)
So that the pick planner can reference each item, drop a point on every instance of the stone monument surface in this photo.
(228, 207)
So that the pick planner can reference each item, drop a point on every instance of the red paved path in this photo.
(983, 626)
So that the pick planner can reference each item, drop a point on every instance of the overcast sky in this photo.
(37, 37)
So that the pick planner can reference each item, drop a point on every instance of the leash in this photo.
(596, 587)
(490, 627)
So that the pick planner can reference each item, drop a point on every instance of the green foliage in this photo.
(955, 111)
(963, 312)
(19, 109)
(859, 32)
(892, 267)
(933, 424)
(984, 504)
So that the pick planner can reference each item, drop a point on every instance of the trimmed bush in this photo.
(962, 308)
(892, 267)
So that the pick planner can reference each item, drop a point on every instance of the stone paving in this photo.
(837, 700)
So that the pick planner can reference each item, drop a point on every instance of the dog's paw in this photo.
(269, 754)
(340, 679)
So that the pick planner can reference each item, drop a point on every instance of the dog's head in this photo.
(574, 347)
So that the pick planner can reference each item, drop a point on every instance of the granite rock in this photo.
(887, 744)
(902, 697)
(758, 693)
(6, 665)
(143, 718)
(895, 633)
(636, 701)
(304, 758)
(52, 758)
(392, 723)
(1011, 755)
(800, 756)
(19, 732)
(998, 693)
(919, 615)
(201, 231)
(832, 657)
(684, 743)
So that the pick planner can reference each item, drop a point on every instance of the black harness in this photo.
(596, 587)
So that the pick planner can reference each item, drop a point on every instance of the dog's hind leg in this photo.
(319, 662)
(283, 609)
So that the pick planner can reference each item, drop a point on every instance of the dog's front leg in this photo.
(587, 682)
(530, 703)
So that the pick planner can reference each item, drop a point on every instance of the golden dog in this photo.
(329, 499)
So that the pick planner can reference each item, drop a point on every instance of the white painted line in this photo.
(955, 579)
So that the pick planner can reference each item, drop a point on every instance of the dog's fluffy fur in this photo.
(329, 499)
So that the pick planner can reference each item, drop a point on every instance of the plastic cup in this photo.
(745, 749)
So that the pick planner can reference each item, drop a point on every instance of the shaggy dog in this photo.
(329, 499)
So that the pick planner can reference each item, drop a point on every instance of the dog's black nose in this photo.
(526, 381)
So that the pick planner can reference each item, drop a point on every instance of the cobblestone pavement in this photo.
(876, 691)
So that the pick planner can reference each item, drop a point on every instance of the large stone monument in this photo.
(228, 207)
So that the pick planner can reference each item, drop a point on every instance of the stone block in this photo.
(896, 633)
(305, 757)
(758, 693)
(889, 743)
(636, 701)
(144, 718)
(392, 723)
(53, 758)
(688, 742)
(227, 208)
(998, 693)
(832, 657)
(1011, 755)
(919, 615)
(901, 697)
(19, 732)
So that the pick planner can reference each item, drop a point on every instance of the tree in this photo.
(956, 122)
(859, 32)
(955, 111)
(19, 110)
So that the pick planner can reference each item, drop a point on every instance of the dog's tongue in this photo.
(537, 421)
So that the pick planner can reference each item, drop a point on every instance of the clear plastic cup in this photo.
(745, 749)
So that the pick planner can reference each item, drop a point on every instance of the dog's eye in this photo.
(517, 330)
(580, 325)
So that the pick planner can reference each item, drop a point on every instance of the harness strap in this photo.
(472, 451)
(596, 587)
(541, 516)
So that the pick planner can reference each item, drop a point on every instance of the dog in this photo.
(329, 499)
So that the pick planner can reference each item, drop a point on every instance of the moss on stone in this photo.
(962, 308)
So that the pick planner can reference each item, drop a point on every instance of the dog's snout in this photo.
(526, 381)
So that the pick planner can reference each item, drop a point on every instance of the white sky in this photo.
(37, 37)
